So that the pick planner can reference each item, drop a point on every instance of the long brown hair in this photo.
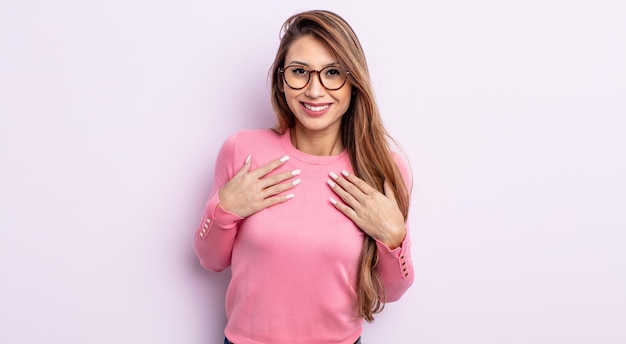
(362, 131)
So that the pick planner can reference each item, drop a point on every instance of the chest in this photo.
(307, 227)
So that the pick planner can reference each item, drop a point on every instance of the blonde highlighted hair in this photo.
(362, 131)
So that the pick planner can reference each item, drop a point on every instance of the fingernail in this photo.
(285, 158)
(248, 159)
(290, 196)
(296, 182)
(295, 172)
(332, 200)
(331, 183)
(345, 173)
(333, 175)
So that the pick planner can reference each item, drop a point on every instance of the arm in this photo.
(379, 216)
(235, 196)
(395, 266)
(214, 237)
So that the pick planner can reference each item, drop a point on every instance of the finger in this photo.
(349, 199)
(348, 186)
(279, 188)
(274, 200)
(360, 183)
(389, 190)
(270, 166)
(278, 178)
(245, 167)
(349, 212)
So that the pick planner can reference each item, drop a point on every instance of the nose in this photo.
(315, 89)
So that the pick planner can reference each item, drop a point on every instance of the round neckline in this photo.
(313, 159)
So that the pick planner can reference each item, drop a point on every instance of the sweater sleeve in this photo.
(395, 266)
(214, 237)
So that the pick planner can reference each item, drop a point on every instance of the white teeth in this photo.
(316, 108)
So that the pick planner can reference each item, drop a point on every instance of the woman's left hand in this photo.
(377, 214)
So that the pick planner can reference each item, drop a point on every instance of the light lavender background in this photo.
(512, 113)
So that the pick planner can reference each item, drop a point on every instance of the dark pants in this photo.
(226, 341)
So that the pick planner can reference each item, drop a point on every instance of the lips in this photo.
(315, 109)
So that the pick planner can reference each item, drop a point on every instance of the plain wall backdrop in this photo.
(511, 112)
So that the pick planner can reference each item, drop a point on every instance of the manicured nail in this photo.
(332, 200)
(345, 173)
(331, 183)
(248, 159)
(333, 175)
(296, 182)
(290, 196)
(285, 158)
(295, 172)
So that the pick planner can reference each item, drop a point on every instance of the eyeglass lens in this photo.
(331, 77)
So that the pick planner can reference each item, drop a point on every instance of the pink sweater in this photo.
(294, 265)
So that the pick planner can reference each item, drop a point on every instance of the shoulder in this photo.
(404, 166)
(251, 142)
(238, 145)
(251, 137)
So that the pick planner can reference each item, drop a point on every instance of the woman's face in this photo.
(317, 109)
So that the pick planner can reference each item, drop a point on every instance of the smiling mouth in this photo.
(316, 108)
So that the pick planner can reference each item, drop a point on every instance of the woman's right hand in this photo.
(252, 191)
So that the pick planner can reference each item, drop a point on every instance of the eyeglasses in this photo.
(331, 78)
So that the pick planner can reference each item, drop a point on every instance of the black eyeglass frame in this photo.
(319, 76)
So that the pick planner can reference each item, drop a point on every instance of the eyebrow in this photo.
(307, 65)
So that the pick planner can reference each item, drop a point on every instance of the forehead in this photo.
(309, 51)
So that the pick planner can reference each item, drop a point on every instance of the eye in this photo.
(299, 72)
(333, 72)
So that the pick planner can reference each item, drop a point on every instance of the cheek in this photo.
(290, 99)
(289, 96)
(347, 93)
(347, 98)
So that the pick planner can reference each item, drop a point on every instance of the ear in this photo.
(281, 85)
(280, 82)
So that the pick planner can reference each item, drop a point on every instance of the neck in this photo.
(320, 144)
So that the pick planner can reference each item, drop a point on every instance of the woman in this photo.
(311, 215)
